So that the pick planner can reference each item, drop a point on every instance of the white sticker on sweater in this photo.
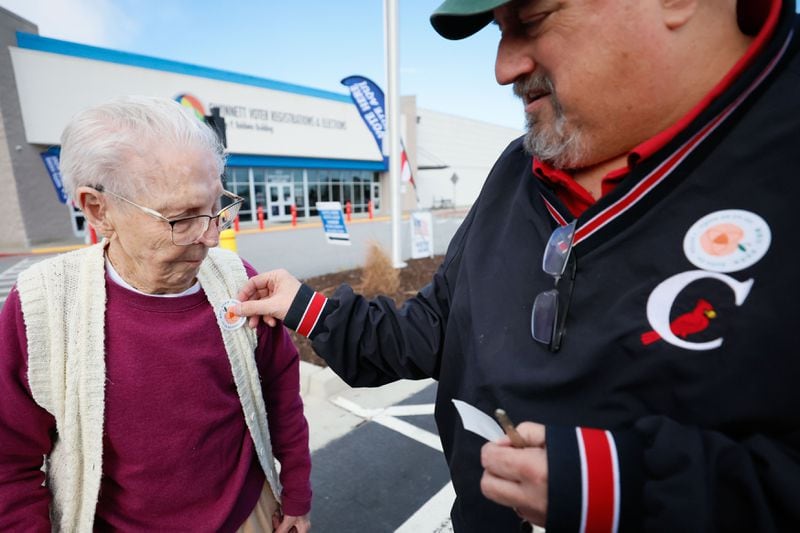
(228, 320)
(727, 241)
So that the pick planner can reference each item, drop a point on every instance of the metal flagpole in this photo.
(393, 119)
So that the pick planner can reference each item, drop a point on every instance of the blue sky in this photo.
(314, 43)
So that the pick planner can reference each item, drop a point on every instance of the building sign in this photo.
(262, 118)
(267, 120)
(51, 163)
(333, 222)
(421, 234)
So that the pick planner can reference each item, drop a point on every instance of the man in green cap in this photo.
(625, 283)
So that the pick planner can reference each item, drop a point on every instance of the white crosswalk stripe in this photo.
(434, 516)
(9, 276)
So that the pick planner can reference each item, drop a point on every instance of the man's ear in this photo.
(95, 208)
(676, 13)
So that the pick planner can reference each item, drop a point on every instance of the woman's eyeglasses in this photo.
(188, 230)
(547, 319)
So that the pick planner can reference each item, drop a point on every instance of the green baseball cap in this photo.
(457, 19)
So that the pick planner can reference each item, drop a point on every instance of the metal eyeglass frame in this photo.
(547, 316)
(237, 202)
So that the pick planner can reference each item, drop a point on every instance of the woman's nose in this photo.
(210, 236)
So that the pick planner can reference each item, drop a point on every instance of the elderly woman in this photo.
(121, 365)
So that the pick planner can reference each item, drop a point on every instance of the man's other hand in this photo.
(517, 477)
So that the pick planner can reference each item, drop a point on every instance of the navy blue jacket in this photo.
(674, 401)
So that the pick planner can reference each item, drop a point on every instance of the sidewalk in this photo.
(246, 228)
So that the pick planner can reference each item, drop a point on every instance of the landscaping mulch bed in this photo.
(413, 277)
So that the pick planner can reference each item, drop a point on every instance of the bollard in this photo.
(294, 215)
(227, 239)
(260, 212)
(369, 209)
(348, 209)
(236, 224)
(92, 235)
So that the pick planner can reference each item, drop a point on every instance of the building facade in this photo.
(289, 146)
(454, 155)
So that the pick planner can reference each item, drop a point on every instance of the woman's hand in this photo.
(291, 524)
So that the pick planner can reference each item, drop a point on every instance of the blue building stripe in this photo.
(243, 160)
(31, 41)
(271, 161)
(238, 160)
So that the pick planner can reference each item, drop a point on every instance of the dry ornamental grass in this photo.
(377, 277)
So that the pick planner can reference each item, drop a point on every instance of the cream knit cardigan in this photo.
(63, 305)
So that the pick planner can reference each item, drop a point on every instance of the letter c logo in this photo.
(663, 297)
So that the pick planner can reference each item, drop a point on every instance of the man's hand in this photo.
(517, 477)
(268, 296)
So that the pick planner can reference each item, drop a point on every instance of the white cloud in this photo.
(95, 22)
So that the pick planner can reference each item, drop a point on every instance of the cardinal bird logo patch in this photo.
(688, 329)
(683, 326)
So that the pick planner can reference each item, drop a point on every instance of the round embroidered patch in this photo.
(227, 319)
(727, 241)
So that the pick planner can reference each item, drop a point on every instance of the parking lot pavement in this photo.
(377, 463)
(9, 271)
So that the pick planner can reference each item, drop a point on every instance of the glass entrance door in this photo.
(260, 200)
(280, 198)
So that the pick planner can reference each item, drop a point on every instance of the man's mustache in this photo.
(533, 84)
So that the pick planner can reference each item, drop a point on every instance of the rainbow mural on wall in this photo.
(187, 100)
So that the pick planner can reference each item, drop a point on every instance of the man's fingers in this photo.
(525, 490)
(261, 285)
(248, 290)
(532, 433)
(515, 464)
(254, 308)
(501, 490)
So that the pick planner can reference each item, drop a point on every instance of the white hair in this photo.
(99, 144)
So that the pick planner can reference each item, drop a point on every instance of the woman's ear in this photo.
(95, 208)
(676, 13)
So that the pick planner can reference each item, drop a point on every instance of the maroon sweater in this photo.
(177, 454)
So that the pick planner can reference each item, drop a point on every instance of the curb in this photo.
(319, 382)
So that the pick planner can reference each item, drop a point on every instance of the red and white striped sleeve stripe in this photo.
(600, 483)
(312, 313)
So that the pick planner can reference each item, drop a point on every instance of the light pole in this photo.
(393, 117)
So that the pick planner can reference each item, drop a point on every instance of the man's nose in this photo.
(513, 59)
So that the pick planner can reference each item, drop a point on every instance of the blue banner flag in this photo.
(51, 163)
(368, 98)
